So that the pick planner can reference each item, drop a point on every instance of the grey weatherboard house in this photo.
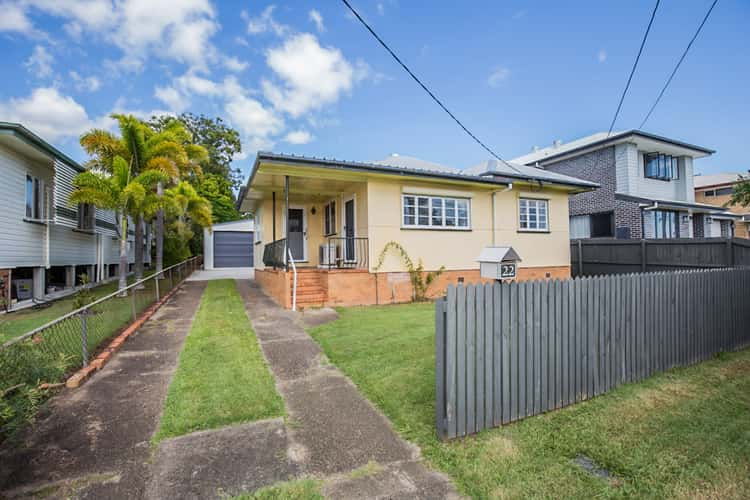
(45, 243)
(646, 186)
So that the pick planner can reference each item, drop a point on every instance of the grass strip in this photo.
(222, 377)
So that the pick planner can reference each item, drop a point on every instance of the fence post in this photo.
(84, 339)
(730, 253)
(580, 258)
(643, 255)
(156, 282)
(440, 368)
(132, 301)
(171, 281)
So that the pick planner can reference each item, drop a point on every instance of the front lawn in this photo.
(222, 377)
(16, 323)
(685, 433)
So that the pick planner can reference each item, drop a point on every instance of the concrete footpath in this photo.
(94, 441)
(333, 429)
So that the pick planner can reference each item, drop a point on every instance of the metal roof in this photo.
(701, 181)
(413, 166)
(34, 140)
(600, 139)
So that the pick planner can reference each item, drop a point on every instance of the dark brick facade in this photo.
(599, 166)
(698, 226)
(629, 215)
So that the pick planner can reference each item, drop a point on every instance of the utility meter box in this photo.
(498, 263)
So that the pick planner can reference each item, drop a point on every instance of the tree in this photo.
(741, 195)
(220, 141)
(144, 151)
(112, 188)
(188, 210)
(172, 143)
(218, 191)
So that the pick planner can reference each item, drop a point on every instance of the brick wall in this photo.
(628, 214)
(601, 167)
(698, 226)
(360, 287)
(597, 166)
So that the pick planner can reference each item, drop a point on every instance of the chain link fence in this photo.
(46, 354)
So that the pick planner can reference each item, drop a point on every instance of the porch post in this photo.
(286, 215)
(273, 214)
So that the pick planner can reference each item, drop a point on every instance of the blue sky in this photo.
(304, 77)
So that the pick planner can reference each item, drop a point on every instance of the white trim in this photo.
(353, 198)
(429, 225)
(304, 229)
(537, 229)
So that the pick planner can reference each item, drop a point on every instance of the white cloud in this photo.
(177, 29)
(498, 76)
(312, 76)
(234, 64)
(265, 23)
(317, 18)
(298, 137)
(191, 83)
(14, 19)
(47, 112)
(40, 62)
(170, 96)
(87, 83)
(601, 56)
(173, 29)
(252, 118)
(89, 14)
(381, 8)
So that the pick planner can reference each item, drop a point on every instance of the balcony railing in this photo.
(274, 254)
(344, 253)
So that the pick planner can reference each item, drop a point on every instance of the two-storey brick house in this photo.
(646, 185)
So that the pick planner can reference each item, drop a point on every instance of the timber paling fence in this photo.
(50, 351)
(509, 351)
(598, 256)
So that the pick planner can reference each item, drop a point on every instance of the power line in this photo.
(424, 87)
(635, 64)
(664, 89)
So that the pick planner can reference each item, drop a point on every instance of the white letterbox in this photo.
(498, 263)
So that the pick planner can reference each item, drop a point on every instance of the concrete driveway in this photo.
(223, 273)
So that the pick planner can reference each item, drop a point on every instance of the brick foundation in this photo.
(350, 287)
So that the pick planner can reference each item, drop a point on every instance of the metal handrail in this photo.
(294, 284)
(88, 306)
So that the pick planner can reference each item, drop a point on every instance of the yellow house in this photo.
(717, 189)
(327, 222)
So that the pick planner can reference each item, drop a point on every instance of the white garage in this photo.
(229, 245)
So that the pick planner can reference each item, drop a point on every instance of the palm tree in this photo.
(167, 152)
(172, 144)
(114, 190)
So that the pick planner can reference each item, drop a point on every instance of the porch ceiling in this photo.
(315, 186)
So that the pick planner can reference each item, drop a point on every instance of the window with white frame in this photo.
(34, 198)
(533, 215)
(329, 216)
(436, 212)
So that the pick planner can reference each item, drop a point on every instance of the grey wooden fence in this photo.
(592, 257)
(509, 351)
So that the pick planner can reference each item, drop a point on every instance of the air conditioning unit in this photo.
(329, 254)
